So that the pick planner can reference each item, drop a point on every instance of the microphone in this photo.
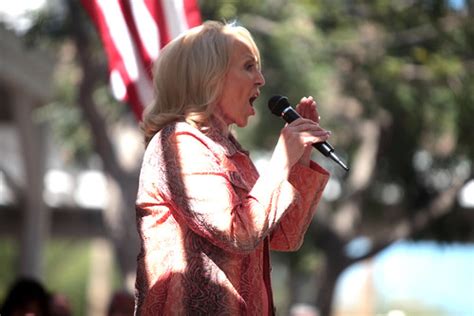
(280, 106)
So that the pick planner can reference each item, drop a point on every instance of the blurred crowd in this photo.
(29, 297)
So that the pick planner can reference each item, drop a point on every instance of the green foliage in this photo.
(66, 264)
(406, 66)
(410, 60)
(52, 29)
(8, 255)
(67, 271)
(69, 130)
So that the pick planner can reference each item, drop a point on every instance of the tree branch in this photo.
(18, 191)
(101, 139)
(362, 172)
(439, 206)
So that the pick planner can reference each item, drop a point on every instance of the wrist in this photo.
(305, 158)
(279, 167)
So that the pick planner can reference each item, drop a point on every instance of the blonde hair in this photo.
(189, 76)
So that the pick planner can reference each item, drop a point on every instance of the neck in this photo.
(218, 122)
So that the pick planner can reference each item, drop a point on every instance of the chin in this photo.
(242, 124)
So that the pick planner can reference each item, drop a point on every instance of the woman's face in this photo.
(241, 85)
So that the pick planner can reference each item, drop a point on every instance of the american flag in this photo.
(133, 32)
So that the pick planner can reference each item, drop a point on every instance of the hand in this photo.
(296, 139)
(308, 109)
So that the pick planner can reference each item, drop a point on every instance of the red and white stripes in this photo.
(133, 32)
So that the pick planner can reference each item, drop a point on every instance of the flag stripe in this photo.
(148, 31)
(120, 36)
(124, 57)
(193, 15)
(175, 17)
(156, 10)
(133, 32)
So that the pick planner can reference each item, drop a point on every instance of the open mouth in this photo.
(252, 100)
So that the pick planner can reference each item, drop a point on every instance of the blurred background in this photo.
(394, 81)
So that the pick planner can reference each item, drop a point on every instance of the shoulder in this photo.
(180, 135)
(187, 137)
(170, 132)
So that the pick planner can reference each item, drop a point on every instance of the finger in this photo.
(317, 117)
(301, 107)
(313, 112)
(306, 128)
(316, 137)
(315, 133)
(311, 136)
(302, 121)
(305, 101)
(308, 108)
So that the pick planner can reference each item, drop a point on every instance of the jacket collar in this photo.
(214, 138)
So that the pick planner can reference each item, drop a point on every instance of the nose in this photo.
(260, 80)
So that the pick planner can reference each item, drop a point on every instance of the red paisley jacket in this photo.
(207, 221)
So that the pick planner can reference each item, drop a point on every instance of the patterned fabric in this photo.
(207, 221)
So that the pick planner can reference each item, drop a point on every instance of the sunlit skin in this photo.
(308, 109)
(242, 86)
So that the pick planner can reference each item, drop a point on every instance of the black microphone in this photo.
(280, 106)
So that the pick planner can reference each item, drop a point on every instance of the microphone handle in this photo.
(289, 115)
(324, 148)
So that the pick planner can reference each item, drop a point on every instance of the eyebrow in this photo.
(251, 57)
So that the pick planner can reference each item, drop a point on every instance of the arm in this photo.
(210, 196)
(310, 183)
(309, 179)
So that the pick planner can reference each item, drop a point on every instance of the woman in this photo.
(206, 219)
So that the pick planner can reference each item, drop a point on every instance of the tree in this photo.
(93, 123)
(394, 82)
(394, 78)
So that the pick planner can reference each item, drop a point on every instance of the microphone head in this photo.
(277, 104)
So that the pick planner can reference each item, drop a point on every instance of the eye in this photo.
(249, 66)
